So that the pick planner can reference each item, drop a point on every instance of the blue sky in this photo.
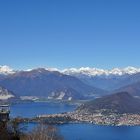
(69, 33)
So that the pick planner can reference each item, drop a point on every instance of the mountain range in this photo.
(50, 84)
(106, 79)
(83, 71)
(133, 89)
(82, 83)
(101, 72)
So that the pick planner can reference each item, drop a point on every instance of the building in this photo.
(4, 113)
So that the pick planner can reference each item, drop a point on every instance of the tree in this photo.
(15, 128)
(43, 132)
(3, 131)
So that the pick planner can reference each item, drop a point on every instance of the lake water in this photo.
(76, 131)
(37, 108)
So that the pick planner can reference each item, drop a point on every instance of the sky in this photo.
(69, 33)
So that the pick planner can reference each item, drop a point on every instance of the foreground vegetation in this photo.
(14, 131)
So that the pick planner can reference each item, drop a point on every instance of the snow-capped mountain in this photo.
(6, 70)
(5, 94)
(107, 80)
(82, 71)
(91, 72)
(49, 84)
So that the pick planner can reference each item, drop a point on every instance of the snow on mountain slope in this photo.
(102, 79)
(6, 70)
(87, 71)
(5, 94)
(101, 72)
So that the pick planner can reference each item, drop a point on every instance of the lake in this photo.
(76, 131)
(38, 108)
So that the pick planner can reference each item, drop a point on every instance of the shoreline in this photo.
(95, 119)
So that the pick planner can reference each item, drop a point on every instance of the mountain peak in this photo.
(6, 70)
(87, 71)
(101, 72)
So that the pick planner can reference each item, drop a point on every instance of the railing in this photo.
(4, 109)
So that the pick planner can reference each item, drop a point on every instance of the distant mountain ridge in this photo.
(133, 89)
(5, 70)
(82, 71)
(101, 72)
(121, 103)
(111, 83)
(89, 81)
(50, 84)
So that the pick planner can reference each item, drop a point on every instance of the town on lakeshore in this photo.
(75, 117)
